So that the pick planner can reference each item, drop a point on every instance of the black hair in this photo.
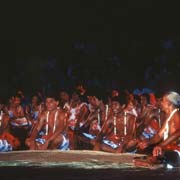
(67, 90)
(137, 98)
(116, 98)
(95, 91)
(52, 94)
(147, 96)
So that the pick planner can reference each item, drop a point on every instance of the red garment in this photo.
(15, 143)
(172, 147)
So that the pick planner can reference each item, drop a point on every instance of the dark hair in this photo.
(52, 94)
(137, 98)
(123, 98)
(95, 92)
(39, 98)
(67, 90)
(116, 98)
(147, 96)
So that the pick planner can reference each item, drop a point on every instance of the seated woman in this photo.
(19, 122)
(8, 142)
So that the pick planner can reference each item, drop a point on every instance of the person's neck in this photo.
(75, 103)
(53, 111)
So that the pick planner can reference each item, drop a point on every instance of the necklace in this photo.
(47, 120)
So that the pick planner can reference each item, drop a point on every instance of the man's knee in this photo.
(57, 142)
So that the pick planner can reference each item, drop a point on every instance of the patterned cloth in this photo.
(10, 139)
(64, 146)
(20, 122)
(5, 146)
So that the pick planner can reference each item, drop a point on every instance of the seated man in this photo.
(116, 131)
(149, 128)
(50, 130)
(166, 141)
(78, 112)
(147, 125)
(91, 126)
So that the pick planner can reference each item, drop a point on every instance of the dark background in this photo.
(110, 44)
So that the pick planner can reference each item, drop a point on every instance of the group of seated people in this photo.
(120, 122)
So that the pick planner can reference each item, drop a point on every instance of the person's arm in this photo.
(30, 142)
(171, 139)
(4, 124)
(107, 128)
(37, 127)
(82, 116)
(158, 150)
(102, 112)
(131, 128)
(154, 140)
(157, 138)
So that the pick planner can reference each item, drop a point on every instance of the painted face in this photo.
(64, 96)
(114, 93)
(115, 106)
(165, 104)
(81, 89)
(130, 106)
(75, 96)
(34, 99)
(143, 100)
(51, 104)
(17, 101)
(93, 100)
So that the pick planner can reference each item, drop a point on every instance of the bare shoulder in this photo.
(131, 116)
(176, 119)
(177, 116)
(62, 113)
(178, 113)
(43, 115)
(6, 117)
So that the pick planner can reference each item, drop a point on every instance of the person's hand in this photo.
(157, 151)
(93, 142)
(142, 145)
(76, 129)
(43, 146)
(30, 143)
(97, 146)
(120, 149)
(101, 105)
